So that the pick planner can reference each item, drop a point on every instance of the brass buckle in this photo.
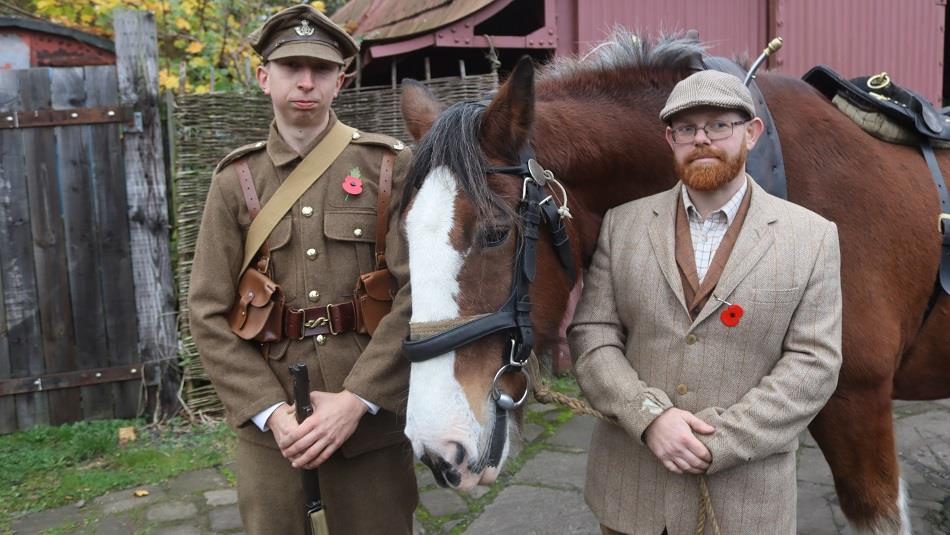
(940, 222)
(304, 324)
(329, 321)
(879, 81)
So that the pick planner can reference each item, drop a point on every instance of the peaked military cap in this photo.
(302, 31)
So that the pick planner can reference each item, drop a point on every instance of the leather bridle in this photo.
(537, 206)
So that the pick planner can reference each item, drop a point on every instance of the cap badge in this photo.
(305, 28)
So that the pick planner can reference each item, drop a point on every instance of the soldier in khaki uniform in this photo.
(318, 250)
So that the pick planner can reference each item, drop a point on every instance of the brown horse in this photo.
(594, 123)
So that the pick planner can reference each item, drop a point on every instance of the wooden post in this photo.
(462, 68)
(392, 73)
(428, 69)
(137, 65)
(211, 76)
(181, 78)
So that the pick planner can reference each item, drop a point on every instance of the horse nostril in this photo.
(460, 453)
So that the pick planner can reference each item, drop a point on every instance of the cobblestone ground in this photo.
(539, 493)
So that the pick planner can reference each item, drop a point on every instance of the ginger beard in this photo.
(708, 176)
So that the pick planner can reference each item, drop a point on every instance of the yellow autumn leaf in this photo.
(182, 24)
(319, 6)
(198, 61)
(202, 88)
(195, 47)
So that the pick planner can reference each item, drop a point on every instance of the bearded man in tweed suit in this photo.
(709, 331)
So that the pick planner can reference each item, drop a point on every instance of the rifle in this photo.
(316, 517)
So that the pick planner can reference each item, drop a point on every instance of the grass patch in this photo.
(47, 467)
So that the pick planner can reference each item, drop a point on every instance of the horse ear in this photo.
(419, 108)
(508, 119)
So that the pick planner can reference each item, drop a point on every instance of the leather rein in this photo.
(537, 206)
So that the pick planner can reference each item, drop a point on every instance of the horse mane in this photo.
(453, 142)
(668, 57)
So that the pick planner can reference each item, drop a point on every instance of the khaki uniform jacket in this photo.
(318, 251)
(759, 383)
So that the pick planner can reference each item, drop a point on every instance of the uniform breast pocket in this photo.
(351, 238)
(352, 193)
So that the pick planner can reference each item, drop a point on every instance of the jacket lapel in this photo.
(662, 238)
(755, 238)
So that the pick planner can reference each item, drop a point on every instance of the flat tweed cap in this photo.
(302, 31)
(708, 88)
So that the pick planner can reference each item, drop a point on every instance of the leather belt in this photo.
(300, 323)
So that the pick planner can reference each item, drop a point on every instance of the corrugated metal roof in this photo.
(377, 20)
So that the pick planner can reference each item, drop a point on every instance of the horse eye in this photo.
(495, 236)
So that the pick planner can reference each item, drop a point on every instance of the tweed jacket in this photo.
(317, 254)
(759, 383)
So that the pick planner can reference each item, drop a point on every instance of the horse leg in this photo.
(855, 431)
(924, 372)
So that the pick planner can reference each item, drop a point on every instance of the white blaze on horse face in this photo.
(438, 413)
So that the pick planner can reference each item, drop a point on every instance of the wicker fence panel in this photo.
(206, 128)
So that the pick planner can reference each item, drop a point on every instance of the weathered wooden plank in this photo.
(115, 262)
(24, 338)
(11, 168)
(137, 64)
(49, 246)
(80, 232)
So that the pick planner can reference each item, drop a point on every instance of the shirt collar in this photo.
(281, 153)
(730, 209)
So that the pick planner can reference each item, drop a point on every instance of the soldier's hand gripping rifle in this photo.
(316, 517)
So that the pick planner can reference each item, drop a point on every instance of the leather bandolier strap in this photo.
(299, 323)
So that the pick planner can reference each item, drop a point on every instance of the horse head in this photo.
(468, 237)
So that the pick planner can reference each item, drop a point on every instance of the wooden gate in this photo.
(86, 298)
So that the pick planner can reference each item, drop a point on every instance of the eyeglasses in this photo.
(714, 130)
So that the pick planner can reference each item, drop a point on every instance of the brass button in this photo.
(357, 232)
(681, 390)
(356, 135)
(307, 211)
(399, 146)
(321, 339)
(311, 253)
(313, 295)
(691, 339)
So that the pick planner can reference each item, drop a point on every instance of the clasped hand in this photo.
(313, 441)
(670, 438)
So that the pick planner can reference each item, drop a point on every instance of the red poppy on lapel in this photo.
(731, 315)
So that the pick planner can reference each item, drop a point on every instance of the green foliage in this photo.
(205, 37)
(48, 467)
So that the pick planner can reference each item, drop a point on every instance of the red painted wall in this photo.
(856, 37)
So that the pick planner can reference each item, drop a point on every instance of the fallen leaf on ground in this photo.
(126, 435)
(140, 493)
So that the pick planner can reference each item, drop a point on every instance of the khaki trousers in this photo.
(369, 494)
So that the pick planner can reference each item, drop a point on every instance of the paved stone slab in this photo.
(197, 481)
(170, 511)
(522, 510)
(216, 498)
(443, 502)
(574, 434)
(114, 525)
(182, 529)
(530, 432)
(225, 518)
(815, 516)
(43, 520)
(812, 467)
(554, 468)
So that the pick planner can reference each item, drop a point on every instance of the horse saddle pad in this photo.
(882, 108)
